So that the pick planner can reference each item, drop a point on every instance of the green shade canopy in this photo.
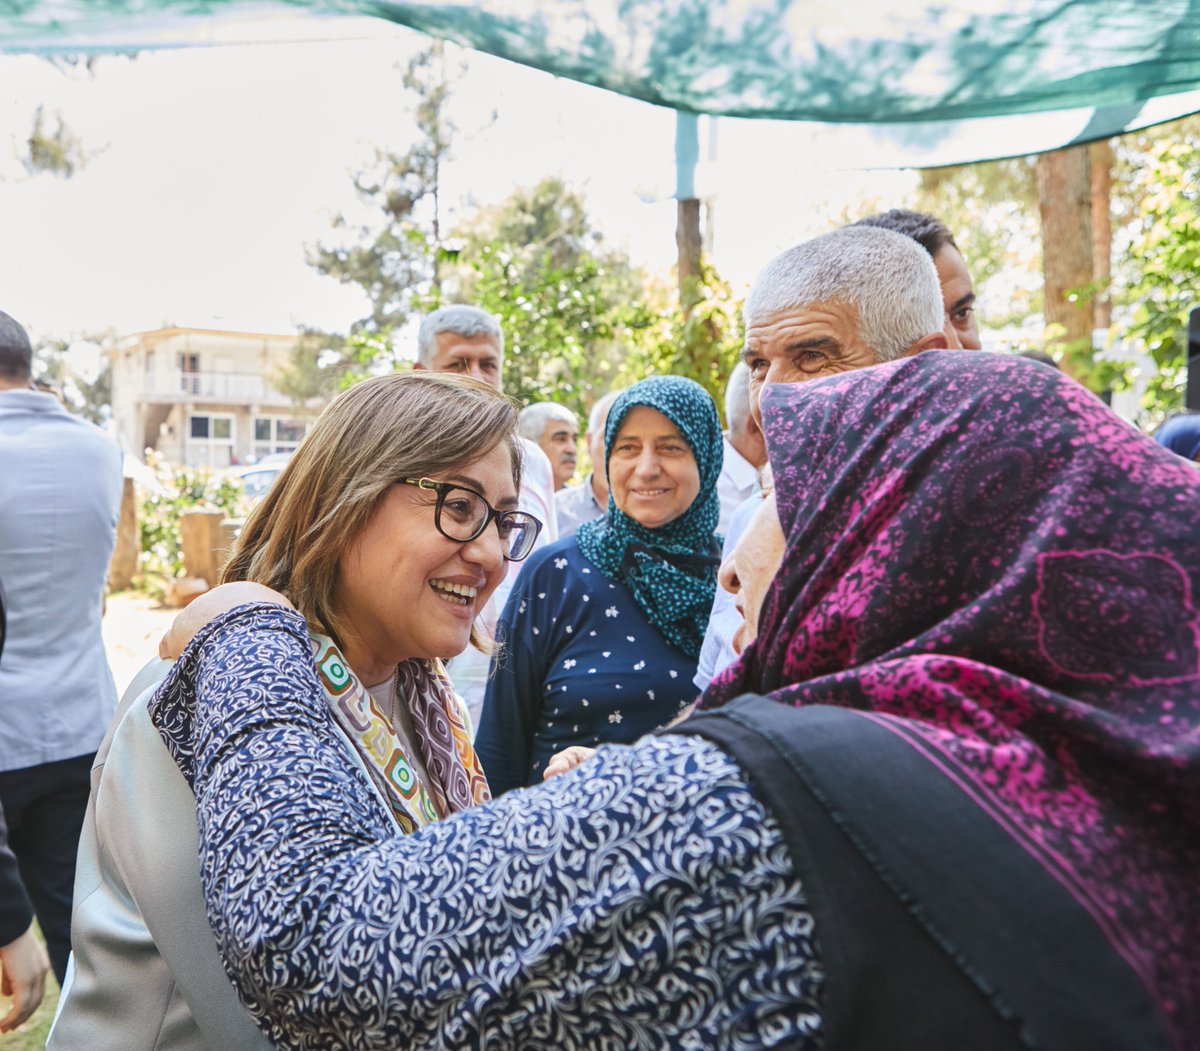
(931, 70)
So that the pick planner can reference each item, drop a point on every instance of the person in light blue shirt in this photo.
(60, 496)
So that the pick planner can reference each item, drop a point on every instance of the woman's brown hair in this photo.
(406, 424)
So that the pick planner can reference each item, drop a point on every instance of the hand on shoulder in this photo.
(208, 607)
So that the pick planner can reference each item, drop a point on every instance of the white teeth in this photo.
(464, 591)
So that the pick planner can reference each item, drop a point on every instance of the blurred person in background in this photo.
(958, 292)
(555, 430)
(60, 497)
(1181, 434)
(588, 500)
(745, 450)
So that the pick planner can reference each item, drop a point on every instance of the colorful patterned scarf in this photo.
(983, 554)
(456, 777)
(671, 570)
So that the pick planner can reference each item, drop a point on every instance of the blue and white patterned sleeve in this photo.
(645, 900)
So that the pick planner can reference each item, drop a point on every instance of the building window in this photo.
(189, 373)
(210, 441)
(277, 434)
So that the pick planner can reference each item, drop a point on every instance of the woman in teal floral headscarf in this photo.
(600, 637)
(668, 568)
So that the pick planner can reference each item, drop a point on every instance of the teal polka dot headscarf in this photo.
(671, 570)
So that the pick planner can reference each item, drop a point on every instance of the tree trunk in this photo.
(1100, 156)
(689, 246)
(1064, 199)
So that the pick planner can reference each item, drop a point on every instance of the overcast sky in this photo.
(210, 169)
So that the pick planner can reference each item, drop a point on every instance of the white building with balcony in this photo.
(204, 397)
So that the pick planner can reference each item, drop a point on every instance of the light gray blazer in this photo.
(145, 973)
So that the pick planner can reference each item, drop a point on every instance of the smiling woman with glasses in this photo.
(378, 533)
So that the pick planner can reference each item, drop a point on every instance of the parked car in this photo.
(257, 478)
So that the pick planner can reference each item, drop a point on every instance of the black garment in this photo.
(935, 929)
(45, 805)
(15, 913)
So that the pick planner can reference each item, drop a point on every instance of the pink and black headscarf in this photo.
(984, 558)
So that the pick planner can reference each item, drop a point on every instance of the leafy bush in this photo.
(181, 489)
(1164, 257)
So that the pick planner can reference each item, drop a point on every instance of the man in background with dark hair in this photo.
(958, 294)
(60, 494)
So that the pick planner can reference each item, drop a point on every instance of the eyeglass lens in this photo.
(464, 516)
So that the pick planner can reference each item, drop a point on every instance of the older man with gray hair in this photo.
(847, 300)
(555, 430)
(462, 339)
(589, 499)
(745, 447)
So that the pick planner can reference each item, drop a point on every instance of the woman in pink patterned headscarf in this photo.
(986, 600)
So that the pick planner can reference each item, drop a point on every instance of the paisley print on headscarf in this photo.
(981, 550)
(671, 570)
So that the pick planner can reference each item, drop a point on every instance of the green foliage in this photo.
(702, 343)
(1164, 254)
(306, 376)
(181, 489)
(992, 212)
(578, 319)
(566, 327)
(83, 393)
(395, 260)
(569, 308)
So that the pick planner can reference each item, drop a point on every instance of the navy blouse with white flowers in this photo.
(579, 664)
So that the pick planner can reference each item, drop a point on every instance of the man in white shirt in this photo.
(745, 449)
(60, 496)
(468, 341)
(581, 503)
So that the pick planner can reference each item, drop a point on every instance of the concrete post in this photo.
(202, 538)
(124, 565)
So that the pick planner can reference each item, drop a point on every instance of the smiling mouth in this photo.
(458, 594)
(649, 493)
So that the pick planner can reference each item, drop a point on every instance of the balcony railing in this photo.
(208, 386)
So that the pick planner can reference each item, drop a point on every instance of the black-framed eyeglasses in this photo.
(462, 514)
